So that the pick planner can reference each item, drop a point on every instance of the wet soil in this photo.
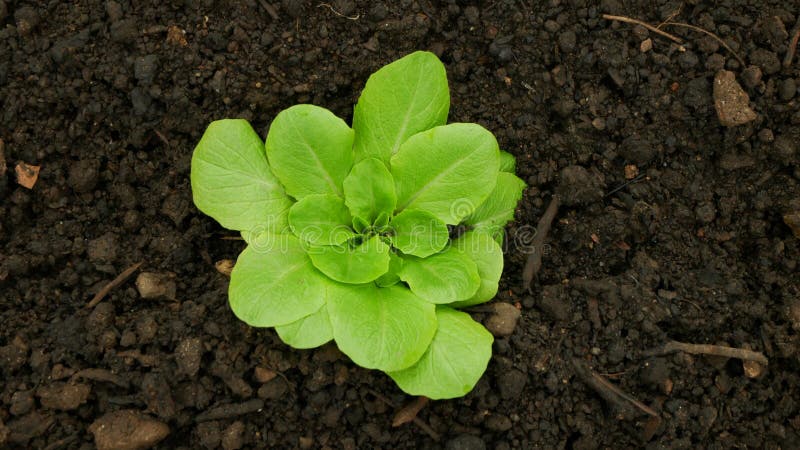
(671, 225)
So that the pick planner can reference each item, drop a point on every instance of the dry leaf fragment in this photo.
(27, 174)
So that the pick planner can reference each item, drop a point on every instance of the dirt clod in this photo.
(465, 442)
(127, 430)
(63, 396)
(188, 355)
(731, 101)
(504, 319)
(156, 285)
(233, 436)
(511, 383)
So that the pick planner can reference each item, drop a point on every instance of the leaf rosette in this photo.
(351, 231)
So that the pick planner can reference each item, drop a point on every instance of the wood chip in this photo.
(27, 174)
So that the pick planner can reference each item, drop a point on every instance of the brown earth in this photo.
(671, 225)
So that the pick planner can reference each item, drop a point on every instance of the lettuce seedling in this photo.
(351, 231)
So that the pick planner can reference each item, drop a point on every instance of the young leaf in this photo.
(310, 150)
(399, 100)
(447, 171)
(507, 162)
(391, 276)
(369, 190)
(231, 179)
(494, 213)
(382, 328)
(418, 233)
(274, 283)
(309, 332)
(352, 264)
(321, 219)
(455, 361)
(445, 277)
(488, 257)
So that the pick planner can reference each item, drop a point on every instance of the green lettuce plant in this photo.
(370, 236)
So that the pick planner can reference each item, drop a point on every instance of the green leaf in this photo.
(508, 163)
(231, 179)
(418, 233)
(310, 150)
(309, 332)
(454, 362)
(488, 257)
(399, 100)
(382, 328)
(493, 214)
(274, 283)
(391, 276)
(354, 264)
(369, 190)
(321, 219)
(445, 277)
(447, 171)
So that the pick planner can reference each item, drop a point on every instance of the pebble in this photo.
(787, 89)
(465, 442)
(263, 375)
(731, 101)
(127, 430)
(511, 383)
(188, 356)
(504, 319)
(751, 77)
(233, 436)
(21, 403)
(83, 175)
(156, 285)
(63, 396)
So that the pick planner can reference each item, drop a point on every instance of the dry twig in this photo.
(409, 412)
(333, 10)
(707, 349)
(114, 283)
(712, 35)
(417, 421)
(534, 262)
(787, 60)
(644, 24)
(608, 391)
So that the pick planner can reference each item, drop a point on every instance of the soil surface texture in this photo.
(673, 150)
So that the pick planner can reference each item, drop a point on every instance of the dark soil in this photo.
(109, 98)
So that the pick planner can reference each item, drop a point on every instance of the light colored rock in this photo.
(156, 285)
(127, 430)
(731, 101)
(504, 319)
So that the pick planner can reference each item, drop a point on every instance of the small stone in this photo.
(114, 10)
(273, 389)
(752, 369)
(27, 174)
(176, 36)
(511, 383)
(631, 171)
(731, 101)
(792, 220)
(233, 436)
(646, 45)
(225, 266)
(127, 430)
(787, 89)
(751, 77)
(465, 442)
(188, 356)
(63, 396)
(156, 285)
(498, 422)
(504, 319)
(263, 375)
(21, 403)
(567, 41)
